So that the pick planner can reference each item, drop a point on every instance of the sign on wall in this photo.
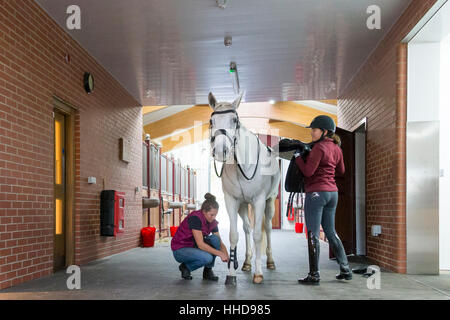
(124, 147)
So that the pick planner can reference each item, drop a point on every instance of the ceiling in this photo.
(171, 52)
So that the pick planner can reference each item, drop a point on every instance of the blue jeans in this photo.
(195, 258)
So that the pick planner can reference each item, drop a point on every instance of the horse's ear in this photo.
(237, 102)
(212, 100)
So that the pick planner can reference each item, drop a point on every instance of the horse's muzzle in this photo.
(225, 154)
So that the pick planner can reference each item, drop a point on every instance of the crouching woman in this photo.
(197, 241)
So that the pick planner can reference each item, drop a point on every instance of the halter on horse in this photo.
(259, 188)
(224, 132)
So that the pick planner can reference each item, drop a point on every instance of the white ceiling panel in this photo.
(171, 52)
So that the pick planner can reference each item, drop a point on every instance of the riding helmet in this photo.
(323, 122)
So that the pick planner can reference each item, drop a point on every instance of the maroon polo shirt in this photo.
(324, 160)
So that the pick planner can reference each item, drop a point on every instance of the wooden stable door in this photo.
(276, 220)
(59, 253)
(345, 213)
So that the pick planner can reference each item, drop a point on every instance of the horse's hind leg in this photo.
(269, 212)
(243, 212)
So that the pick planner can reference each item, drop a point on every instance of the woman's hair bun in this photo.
(209, 203)
(209, 196)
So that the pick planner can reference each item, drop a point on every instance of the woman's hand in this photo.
(224, 256)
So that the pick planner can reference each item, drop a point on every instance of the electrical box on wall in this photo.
(112, 215)
(376, 230)
(124, 148)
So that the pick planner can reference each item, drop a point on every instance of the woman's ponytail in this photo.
(209, 203)
(335, 137)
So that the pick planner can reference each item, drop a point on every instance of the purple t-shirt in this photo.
(184, 237)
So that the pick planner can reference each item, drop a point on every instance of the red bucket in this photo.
(298, 227)
(148, 236)
(173, 230)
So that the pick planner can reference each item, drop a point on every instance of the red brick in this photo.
(378, 92)
(32, 70)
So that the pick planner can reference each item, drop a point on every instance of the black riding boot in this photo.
(208, 274)
(341, 258)
(185, 273)
(313, 277)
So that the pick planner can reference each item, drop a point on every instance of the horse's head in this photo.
(223, 125)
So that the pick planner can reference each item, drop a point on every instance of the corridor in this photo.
(152, 273)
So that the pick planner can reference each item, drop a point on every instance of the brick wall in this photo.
(32, 71)
(378, 92)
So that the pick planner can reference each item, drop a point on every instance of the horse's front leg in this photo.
(232, 206)
(243, 212)
(259, 208)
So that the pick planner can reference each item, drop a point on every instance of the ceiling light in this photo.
(227, 41)
(234, 77)
(222, 4)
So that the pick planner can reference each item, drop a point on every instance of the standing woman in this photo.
(319, 169)
(194, 246)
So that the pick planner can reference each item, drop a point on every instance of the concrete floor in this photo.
(152, 273)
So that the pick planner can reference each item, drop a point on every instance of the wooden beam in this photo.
(148, 109)
(261, 126)
(183, 120)
(332, 102)
(292, 112)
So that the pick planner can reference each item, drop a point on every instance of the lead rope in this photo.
(240, 186)
(257, 159)
(215, 168)
(289, 204)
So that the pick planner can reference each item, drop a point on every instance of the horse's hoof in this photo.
(271, 266)
(257, 278)
(231, 280)
(246, 267)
